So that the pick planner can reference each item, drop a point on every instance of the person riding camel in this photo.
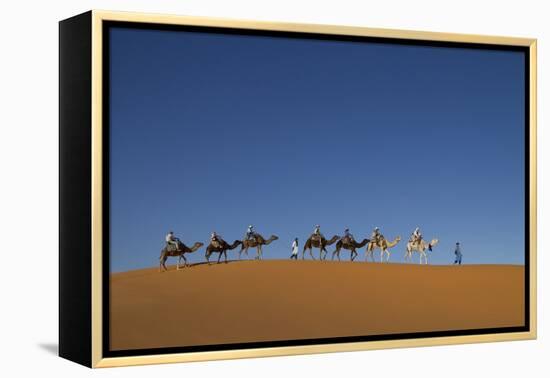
(416, 236)
(348, 235)
(172, 240)
(317, 233)
(376, 236)
(215, 239)
(250, 233)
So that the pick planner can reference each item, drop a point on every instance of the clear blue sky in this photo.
(215, 132)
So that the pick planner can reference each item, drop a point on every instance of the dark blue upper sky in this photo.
(215, 132)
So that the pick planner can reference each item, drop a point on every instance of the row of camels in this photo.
(222, 247)
(351, 245)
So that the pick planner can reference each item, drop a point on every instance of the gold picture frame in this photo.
(91, 326)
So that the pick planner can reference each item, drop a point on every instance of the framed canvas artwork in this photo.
(235, 189)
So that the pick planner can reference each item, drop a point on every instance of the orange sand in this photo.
(282, 300)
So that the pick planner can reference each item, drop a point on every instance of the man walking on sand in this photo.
(458, 254)
(294, 254)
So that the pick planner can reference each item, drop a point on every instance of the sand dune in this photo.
(281, 300)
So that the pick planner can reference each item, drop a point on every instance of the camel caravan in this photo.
(376, 241)
(175, 248)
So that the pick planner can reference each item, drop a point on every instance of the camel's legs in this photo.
(369, 252)
(311, 253)
(178, 264)
(225, 255)
(258, 253)
(220, 256)
(245, 249)
(303, 253)
(184, 259)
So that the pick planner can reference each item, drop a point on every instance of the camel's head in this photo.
(434, 242)
(398, 239)
(274, 237)
(199, 244)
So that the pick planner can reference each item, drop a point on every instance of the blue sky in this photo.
(215, 132)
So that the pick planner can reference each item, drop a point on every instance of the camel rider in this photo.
(215, 237)
(317, 232)
(416, 236)
(348, 235)
(250, 233)
(376, 236)
(172, 240)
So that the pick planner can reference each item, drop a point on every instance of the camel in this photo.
(183, 249)
(313, 242)
(345, 243)
(221, 247)
(384, 245)
(420, 248)
(257, 243)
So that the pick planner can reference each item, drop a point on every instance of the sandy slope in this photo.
(280, 300)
